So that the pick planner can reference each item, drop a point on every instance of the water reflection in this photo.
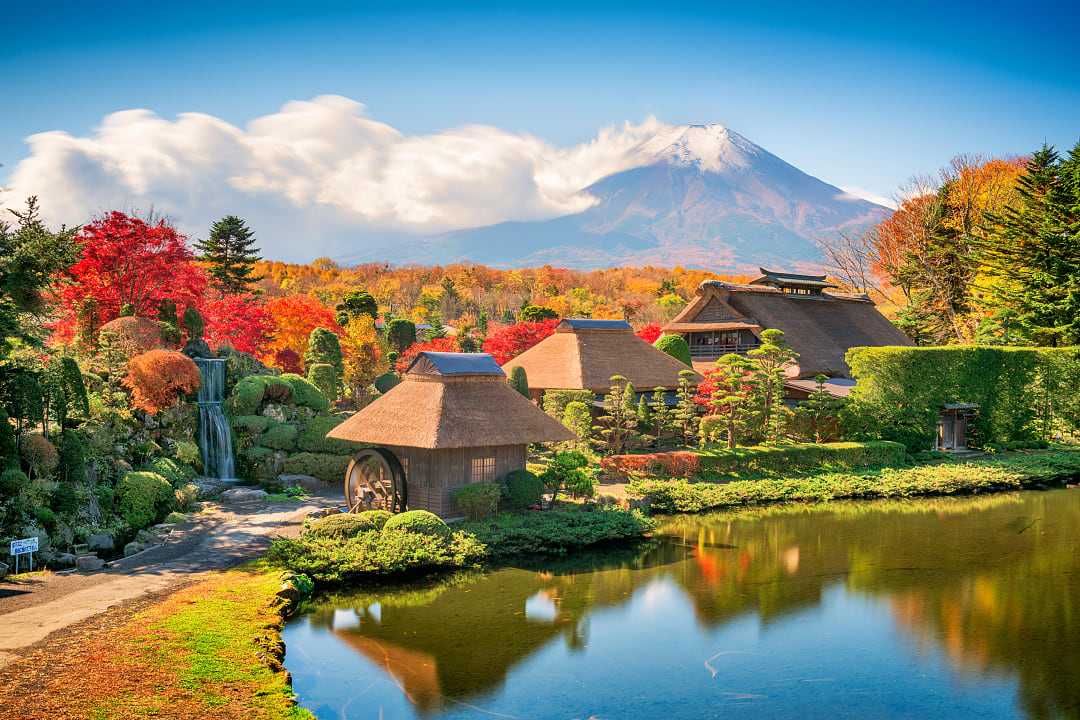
(941, 608)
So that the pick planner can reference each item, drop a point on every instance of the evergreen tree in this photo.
(618, 425)
(400, 333)
(819, 409)
(230, 254)
(355, 303)
(663, 419)
(324, 348)
(770, 361)
(519, 381)
(685, 416)
(1032, 253)
(733, 395)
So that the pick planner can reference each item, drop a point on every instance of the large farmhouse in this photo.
(818, 322)
(583, 354)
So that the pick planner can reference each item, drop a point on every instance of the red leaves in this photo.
(127, 261)
(240, 320)
(292, 318)
(508, 342)
(679, 463)
(649, 333)
(446, 344)
(156, 378)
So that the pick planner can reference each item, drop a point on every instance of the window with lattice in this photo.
(483, 469)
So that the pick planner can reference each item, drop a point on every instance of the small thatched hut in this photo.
(453, 420)
(583, 354)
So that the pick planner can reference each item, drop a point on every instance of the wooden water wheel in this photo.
(375, 480)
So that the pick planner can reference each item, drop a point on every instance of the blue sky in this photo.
(860, 96)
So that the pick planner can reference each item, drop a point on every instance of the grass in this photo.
(208, 650)
(952, 477)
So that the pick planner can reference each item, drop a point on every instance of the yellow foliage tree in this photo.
(364, 356)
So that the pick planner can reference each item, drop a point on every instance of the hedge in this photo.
(249, 393)
(676, 347)
(756, 459)
(330, 468)
(280, 436)
(253, 424)
(143, 497)
(304, 393)
(1023, 394)
(313, 437)
(949, 478)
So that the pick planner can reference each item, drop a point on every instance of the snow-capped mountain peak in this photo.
(711, 148)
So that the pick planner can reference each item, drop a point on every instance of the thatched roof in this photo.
(821, 328)
(584, 354)
(778, 278)
(451, 400)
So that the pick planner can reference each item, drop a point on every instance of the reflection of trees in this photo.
(995, 581)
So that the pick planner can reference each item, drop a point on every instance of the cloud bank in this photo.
(318, 177)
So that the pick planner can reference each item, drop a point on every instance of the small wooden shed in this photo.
(952, 430)
(453, 420)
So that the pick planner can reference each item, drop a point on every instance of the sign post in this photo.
(26, 546)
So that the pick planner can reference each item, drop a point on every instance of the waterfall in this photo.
(215, 438)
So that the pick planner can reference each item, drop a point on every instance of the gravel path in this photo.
(34, 608)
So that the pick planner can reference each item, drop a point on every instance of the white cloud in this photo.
(857, 192)
(318, 176)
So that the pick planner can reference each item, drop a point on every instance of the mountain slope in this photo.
(700, 196)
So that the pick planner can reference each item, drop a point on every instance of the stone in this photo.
(243, 494)
(101, 541)
(323, 512)
(133, 547)
(3, 570)
(89, 563)
(307, 482)
(208, 487)
(66, 559)
(275, 412)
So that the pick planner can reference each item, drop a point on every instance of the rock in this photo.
(208, 487)
(133, 547)
(323, 512)
(307, 482)
(275, 412)
(243, 494)
(198, 349)
(66, 559)
(3, 570)
(101, 541)
(89, 563)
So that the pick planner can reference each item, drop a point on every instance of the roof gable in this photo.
(453, 364)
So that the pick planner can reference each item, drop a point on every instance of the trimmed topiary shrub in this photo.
(519, 380)
(420, 522)
(478, 500)
(143, 497)
(12, 482)
(523, 489)
(675, 346)
(323, 466)
(313, 437)
(72, 457)
(325, 377)
(250, 392)
(280, 436)
(305, 393)
(555, 401)
(347, 525)
(253, 424)
(386, 382)
(174, 472)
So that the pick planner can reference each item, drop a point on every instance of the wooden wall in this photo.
(432, 475)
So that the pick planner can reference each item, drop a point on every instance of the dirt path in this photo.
(32, 609)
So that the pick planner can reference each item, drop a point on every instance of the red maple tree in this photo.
(239, 320)
(508, 342)
(649, 333)
(126, 261)
(446, 344)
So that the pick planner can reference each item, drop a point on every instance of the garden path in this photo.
(34, 608)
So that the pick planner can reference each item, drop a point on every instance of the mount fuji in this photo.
(697, 196)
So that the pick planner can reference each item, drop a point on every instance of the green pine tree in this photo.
(685, 416)
(770, 360)
(230, 254)
(1032, 253)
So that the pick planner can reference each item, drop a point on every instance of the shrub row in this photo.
(252, 391)
(756, 459)
(555, 532)
(949, 478)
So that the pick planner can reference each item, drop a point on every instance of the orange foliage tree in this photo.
(158, 377)
(292, 318)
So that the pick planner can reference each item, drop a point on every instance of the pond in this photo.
(929, 608)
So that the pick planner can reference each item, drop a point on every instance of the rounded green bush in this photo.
(523, 489)
(171, 470)
(253, 424)
(478, 500)
(324, 466)
(341, 526)
(377, 518)
(325, 377)
(420, 522)
(142, 497)
(280, 436)
(12, 482)
(675, 346)
(305, 393)
(313, 437)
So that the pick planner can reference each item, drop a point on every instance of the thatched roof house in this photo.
(583, 354)
(452, 420)
(820, 324)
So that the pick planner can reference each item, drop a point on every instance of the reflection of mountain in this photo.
(995, 582)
